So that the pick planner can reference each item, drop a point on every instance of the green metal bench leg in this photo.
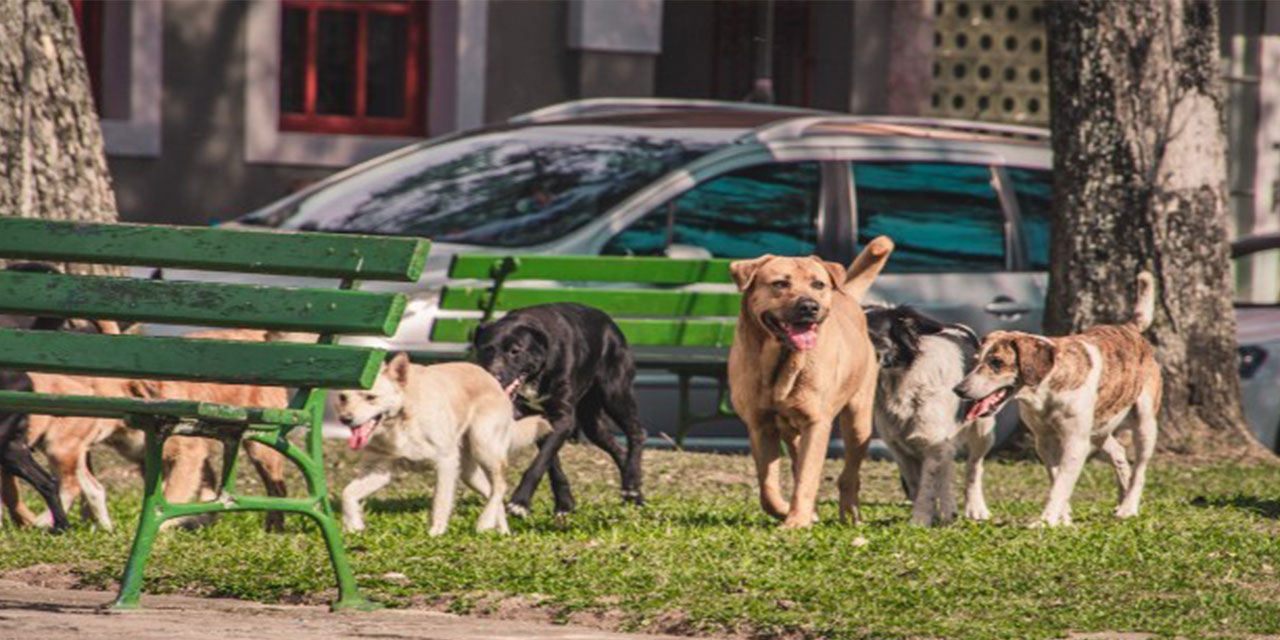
(349, 597)
(148, 523)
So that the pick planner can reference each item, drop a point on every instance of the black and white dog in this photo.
(918, 414)
(570, 363)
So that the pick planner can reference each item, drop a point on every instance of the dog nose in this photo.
(959, 390)
(346, 420)
(808, 307)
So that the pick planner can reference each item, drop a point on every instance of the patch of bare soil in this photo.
(48, 576)
(35, 612)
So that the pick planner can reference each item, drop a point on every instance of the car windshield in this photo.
(503, 189)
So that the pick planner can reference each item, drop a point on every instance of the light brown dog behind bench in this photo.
(188, 468)
(800, 359)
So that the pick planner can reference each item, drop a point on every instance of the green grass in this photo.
(702, 558)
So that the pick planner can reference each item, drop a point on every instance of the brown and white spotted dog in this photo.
(1074, 393)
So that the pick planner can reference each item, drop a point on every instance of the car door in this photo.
(743, 213)
(958, 255)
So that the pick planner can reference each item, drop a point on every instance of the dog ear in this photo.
(744, 271)
(923, 324)
(398, 368)
(1035, 359)
(835, 270)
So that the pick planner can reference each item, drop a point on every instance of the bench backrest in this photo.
(329, 312)
(655, 313)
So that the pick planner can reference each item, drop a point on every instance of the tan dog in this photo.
(800, 359)
(188, 468)
(1074, 393)
(454, 416)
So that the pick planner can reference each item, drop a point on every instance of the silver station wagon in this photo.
(966, 203)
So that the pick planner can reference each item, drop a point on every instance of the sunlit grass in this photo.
(703, 558)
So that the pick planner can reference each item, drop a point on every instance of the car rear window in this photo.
(742, 214)
(943, 217)
(1034, 190)
(503, 189)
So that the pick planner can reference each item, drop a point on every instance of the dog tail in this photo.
(1144, 311)
(527, 430)
(867, 266)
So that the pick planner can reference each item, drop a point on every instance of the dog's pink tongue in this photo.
(803, 336)
(982, 406)
(360, 434)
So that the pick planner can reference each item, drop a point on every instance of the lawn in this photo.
(701, 558)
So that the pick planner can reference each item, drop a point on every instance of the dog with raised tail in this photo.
(920, 418)
(1075, 393)
(453, 416)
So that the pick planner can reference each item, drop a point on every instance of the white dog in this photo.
(1074, 393)
(919, 415)
(454, 416)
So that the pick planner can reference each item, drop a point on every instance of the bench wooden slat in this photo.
(645, 302)
(107, 407)
(593, 269)
(639, 332)
(274, 364)
(305, 254)
(204, 304)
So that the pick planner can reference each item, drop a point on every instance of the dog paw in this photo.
(517, 510)
(632, 497)
(436, 532)
(1051, 521)
(793, 522)
(1126, 511)
(850, 515)
(977, 512)
(922, 521)
(354, 526)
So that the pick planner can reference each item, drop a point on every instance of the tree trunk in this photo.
(1140, 183)
(50, 141)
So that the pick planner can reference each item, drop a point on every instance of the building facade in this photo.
(213, 108)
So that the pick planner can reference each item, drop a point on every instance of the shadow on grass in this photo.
(1265, 507)
(414, 504)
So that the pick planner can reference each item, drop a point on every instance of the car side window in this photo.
(1034, 190)
(943, 217)
(742, 214)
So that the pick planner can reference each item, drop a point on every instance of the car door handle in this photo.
(1005, 306)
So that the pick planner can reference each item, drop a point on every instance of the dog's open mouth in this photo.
(802, 336)
(361, 433)
(511, 388)
(988, 404)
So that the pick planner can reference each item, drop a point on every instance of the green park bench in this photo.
(308, 368)
(678, 330)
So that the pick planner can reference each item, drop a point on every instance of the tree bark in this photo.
(1140, 183)
(50, 140)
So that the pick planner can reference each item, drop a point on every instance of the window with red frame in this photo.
(88, 14)
(353, 67)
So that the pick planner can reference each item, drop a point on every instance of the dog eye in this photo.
(515, 350)
(996, 363)
(782, 285)
(819, 285)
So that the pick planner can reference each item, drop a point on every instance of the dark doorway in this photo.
(709, 49)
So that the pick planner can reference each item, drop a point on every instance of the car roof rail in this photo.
(910, 125)
(610, 106)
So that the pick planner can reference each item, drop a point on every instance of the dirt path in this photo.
(37, 612)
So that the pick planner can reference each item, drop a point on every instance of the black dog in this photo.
(15, 454)
(572, 364)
